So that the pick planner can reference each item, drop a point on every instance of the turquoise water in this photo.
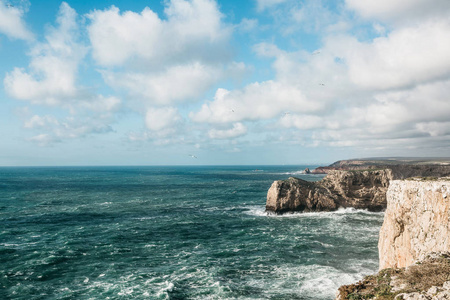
(172, 233)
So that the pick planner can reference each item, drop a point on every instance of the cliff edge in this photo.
(414, 244)
(416, 222)
(358, 189)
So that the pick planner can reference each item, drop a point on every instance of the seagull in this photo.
(193, 156)
(316, 52)
(322, 84)
(232, 110)
(9, 5)
(286, 113)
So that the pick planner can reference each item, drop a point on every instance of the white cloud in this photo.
(176, 84)
(388, 93)
(12, 23)
(65, 128)
(193, 31)
(52, 81)
(40, 122)
(53, 67)
(163, 61)
(406, 57)
(302, 122)
(399, 10)
(237, 130)
(255, 102)
(158, 119)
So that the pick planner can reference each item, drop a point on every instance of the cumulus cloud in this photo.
(237, 130)
(163, 61)
(12, 23)
(158, 119)
(384, 93)
(399, 10)
(407, 56)
(51, 80)
(255, 102)
(193, 31)
(302, 122)
(175, 84)
(53, 67)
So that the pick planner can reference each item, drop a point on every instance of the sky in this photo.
(222, 82)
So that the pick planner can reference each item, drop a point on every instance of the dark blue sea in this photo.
(172, 233)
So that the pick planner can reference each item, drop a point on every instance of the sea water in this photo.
(172, 233)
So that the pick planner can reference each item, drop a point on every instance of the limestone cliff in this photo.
(417, 221)
(359, 189)
(413, 246)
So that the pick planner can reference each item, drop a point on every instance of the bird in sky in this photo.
(316, 52)
(322, 84)
(193, 156)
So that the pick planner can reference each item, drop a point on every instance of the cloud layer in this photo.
(367, 75)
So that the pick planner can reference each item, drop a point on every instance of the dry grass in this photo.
(432, 271)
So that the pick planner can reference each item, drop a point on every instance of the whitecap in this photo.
(260, 211)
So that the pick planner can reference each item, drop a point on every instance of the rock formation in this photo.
(358, 189)
(417, 221)
(360, 183)
(413, 246)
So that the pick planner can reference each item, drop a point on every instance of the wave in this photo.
(260, 211)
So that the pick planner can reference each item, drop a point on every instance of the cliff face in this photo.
(416, 228)
(401, 168)
(359, 189)
(417, 221)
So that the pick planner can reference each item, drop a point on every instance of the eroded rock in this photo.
(358, 189)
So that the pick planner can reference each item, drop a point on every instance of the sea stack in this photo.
(358, 189)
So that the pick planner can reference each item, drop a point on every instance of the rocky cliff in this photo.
(413, 244)
(359, 189)
(417, 221)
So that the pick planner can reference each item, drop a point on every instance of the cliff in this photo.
(402, 168)
(417, 221)
(359, 189)
(413, 244)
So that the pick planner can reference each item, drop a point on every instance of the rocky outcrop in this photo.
(416, 222)
(358, 189)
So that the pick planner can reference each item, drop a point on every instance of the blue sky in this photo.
(229, 82)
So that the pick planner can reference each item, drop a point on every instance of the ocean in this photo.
(172, 233)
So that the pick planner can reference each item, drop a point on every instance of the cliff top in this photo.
(431, 275)
(429, 178)
(386, 161)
